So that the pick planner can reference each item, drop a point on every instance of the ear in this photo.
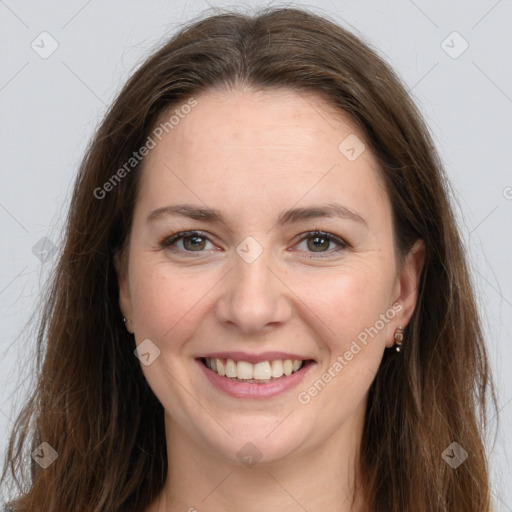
(406, 293)
(125, 303)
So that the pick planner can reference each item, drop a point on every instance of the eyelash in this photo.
(170, 241)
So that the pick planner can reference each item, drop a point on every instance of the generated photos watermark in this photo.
(304, 397)
(137, 156)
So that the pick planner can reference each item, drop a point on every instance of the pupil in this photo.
(194, 244)
(318, 242)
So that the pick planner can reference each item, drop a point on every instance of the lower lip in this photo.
(250, 390)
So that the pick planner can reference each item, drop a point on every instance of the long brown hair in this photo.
(92, 403)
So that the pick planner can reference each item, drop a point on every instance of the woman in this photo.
(262, 302)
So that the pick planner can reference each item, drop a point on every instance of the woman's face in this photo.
(255, 174)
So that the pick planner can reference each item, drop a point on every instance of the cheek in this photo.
(349, 302)
(351, 305)
(168, 304)
(163, 303)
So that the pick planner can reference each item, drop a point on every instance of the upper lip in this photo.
(254, 358)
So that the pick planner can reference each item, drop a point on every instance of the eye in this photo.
(190, 241)
(319, 242)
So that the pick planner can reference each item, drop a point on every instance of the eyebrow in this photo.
(290, 216)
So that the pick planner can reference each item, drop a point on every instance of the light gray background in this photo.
(50, 107)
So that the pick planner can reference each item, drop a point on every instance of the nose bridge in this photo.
(253, 296)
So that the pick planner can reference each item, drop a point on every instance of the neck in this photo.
(318, 479)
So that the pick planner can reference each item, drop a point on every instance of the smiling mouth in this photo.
(259, 373)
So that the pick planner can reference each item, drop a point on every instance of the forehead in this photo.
(256, 149)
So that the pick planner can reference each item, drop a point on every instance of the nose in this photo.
(254, 297)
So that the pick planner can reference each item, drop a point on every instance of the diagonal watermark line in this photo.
(424, 14)
(313, 108)
(492, 81)
(14, 76)
(279, 424)
(501, 500)
(13, 218)
(423, 77)
(76, 14)
(12, 280)
(492, 491)
(505, 405)
(500, 409)
(496, 290)
(7, 416)
(486, 14)
(484, 219)
(83, 82)
(197, 401)
(13, 13)
(286, 491)
(216, 487)
(343, 506)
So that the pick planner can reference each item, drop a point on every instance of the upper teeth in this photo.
(259, 371)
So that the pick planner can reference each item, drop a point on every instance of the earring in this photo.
(399, 337)
(126, 325)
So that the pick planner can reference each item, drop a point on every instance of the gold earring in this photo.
(399, 337)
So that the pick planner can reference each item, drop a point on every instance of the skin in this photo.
(251, 155)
